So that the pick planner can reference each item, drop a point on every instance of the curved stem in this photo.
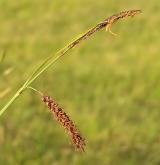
(12, 100)
(52, 59)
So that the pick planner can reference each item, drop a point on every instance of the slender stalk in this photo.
(52, 59)
(11, 100)
(35, 90)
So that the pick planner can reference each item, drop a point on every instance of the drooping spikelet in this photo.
(77, 140)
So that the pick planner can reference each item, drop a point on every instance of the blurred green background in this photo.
(110, 86)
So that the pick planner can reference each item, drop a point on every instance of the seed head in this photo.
(77, 140)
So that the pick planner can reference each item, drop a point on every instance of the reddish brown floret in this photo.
(77, 140)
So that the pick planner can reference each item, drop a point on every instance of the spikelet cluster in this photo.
(122, 14)
(77, 140)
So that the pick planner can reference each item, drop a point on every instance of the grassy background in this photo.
(109, 85)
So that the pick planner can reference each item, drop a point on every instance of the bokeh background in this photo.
(110, 86)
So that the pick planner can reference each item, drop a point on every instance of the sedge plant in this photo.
(60, 115)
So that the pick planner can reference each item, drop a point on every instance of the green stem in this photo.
(35, 90)
(52, 59)
(12, 100)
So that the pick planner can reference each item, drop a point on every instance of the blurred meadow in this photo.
(110, 86)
